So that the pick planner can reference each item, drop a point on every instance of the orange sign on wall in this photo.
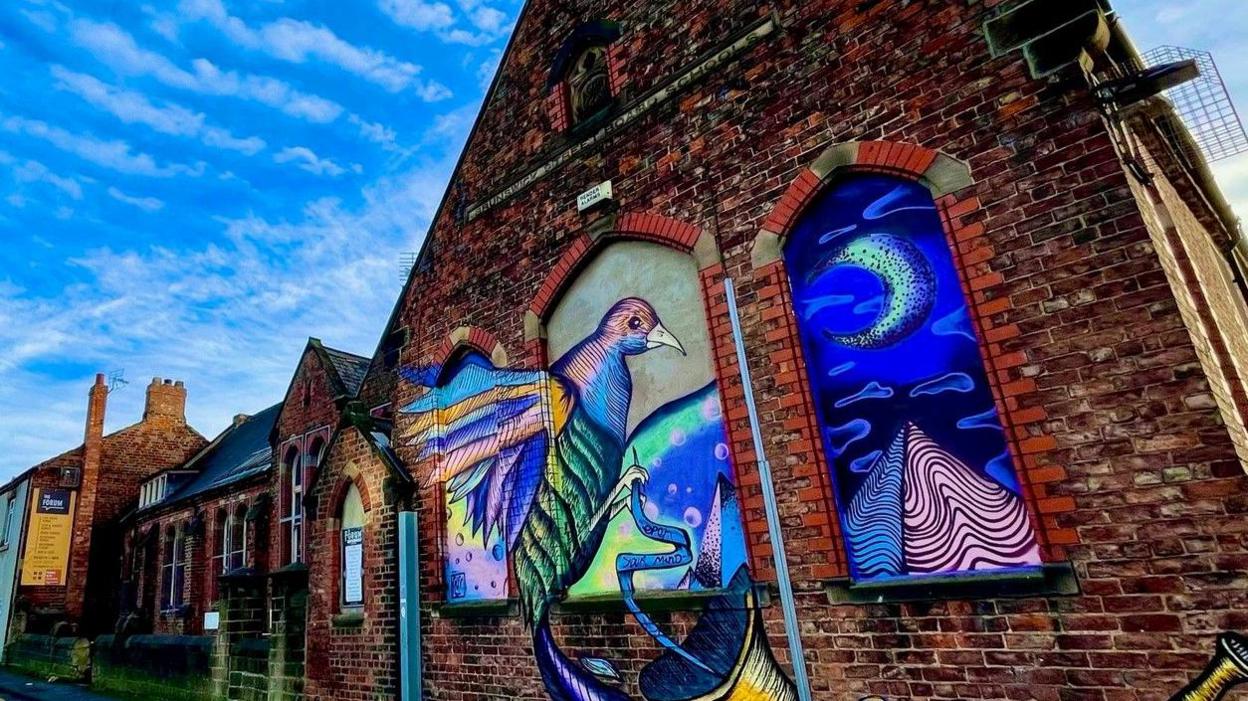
(47, 539)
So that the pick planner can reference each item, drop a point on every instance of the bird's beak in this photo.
(660, 336)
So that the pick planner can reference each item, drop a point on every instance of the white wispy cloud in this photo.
(117, 49)
(307, 160)
(147, 204)
(135, 108)
(115, 155)
(36, 172)
(233, 313)
(298, 41)
(375, 132)
(488, 24)
(418, 14)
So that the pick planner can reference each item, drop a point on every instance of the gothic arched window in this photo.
(923, 473)
(589, 91)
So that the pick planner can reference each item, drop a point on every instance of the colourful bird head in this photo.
(632, 327)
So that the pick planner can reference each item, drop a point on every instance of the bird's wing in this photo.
(491, 431)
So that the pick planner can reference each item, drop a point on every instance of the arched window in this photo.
(292, 506)
(923, 474)
(219, 531)
(475, 563)
(173, 567)
(234, 541)
(668, 419)
(352, 575)
(316, 453)
(588, 89)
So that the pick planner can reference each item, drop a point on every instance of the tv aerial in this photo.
(117, 380)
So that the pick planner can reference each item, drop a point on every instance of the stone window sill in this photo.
(478, 609)
(350, 619)
(1047, 580)
(652, 601)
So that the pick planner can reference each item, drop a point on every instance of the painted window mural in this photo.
(605, 475)
(673, 425)
(475, 566)
(923, 476)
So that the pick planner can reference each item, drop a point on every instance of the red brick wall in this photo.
(1132, 484)
(352, 658)
(122, 461)
(309, 415)
(203, 568)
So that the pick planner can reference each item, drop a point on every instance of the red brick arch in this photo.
(473, 337)
(963, 217)
(657, 228)
(339, 494)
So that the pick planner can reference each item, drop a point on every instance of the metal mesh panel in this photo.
(1204, 104)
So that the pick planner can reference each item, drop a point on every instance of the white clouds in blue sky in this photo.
(192, 189)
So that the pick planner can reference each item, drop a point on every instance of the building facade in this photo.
(63, 516)
(992, 335)
(992, 443)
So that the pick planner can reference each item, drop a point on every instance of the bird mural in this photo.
(537, 459)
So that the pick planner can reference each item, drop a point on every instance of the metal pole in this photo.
(769, 501)
(409, 609)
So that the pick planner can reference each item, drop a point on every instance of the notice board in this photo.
(47, 539)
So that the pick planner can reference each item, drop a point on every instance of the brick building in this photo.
(995, 342)
(96, 480)
(997, 351)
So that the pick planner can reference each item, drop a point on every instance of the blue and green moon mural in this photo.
(918, 455)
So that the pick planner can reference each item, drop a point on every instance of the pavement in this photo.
(16, 687)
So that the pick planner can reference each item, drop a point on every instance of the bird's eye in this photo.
(634, 323)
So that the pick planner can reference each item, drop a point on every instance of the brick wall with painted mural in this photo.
(998, 469)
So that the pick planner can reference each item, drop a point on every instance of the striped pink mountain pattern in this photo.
(922, 511)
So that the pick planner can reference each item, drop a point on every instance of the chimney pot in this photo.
(165, 401)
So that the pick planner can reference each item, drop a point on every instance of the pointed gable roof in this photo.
(345, 370)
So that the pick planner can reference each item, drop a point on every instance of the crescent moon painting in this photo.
(924, 481)
(908, 281)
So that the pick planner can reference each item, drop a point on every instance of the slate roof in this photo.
(351, 368)
(240, 452)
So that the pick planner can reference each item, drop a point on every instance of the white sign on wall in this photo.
(212, 620)
(594, 195)
(352, 566)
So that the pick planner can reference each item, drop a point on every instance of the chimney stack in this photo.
(240, 419)
(166, 401)
(97, 400)
(84, 511)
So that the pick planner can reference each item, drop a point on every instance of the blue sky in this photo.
(192, 188)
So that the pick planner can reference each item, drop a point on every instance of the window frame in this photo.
(235, 523)
(343, 603)
(9, 512)
(291, 517)
(173, 568)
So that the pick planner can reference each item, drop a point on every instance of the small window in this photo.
(234, 541)
(589, 91)
(352, 577)
(292, 506)
(173, 568)
(10, 514)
